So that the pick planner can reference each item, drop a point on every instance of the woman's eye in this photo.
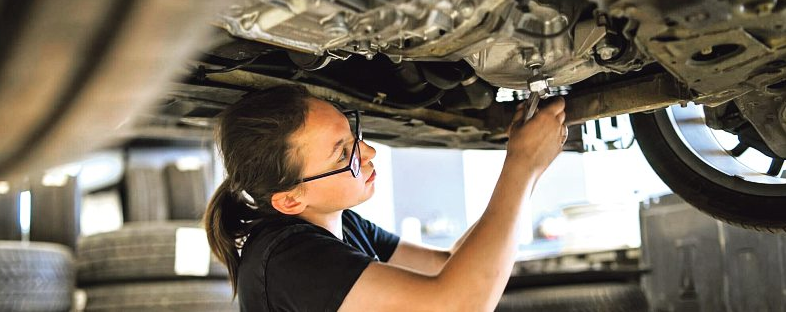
(343, 155)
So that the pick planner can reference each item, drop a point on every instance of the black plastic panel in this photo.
(681, 247)
(700, 264)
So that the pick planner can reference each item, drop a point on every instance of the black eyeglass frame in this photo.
(353, 157)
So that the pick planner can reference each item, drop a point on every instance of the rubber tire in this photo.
(606, 297)
(10, 228)
(749, 211)
(190, 296)
(187, 192)
(55, 212)
(145, 191)
(137, 252)
(35, 277)
(74, 72)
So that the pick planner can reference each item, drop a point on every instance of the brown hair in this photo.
(253, 136)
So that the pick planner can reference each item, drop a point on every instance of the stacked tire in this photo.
(188, 192)
(35, 277)
(152, 266)
(168, 193)
(607, 297)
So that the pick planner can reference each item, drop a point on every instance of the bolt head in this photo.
(607, 52)
(538, 85)
(466, 8)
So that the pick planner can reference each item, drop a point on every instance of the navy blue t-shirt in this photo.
(289, 264)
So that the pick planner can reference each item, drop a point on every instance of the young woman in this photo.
(280, 221)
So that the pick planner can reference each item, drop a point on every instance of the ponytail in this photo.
(224, 228)
(253, 138)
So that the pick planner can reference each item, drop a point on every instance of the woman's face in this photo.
(325, 144)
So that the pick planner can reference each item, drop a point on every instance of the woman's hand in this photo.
(535, 143)
(474, 277)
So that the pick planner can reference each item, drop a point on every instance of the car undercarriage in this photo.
(449, 74)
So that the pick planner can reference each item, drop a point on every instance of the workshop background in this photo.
(119, 230)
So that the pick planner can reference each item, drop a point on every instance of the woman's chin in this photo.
(369, 192)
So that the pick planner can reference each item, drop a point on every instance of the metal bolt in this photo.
(532, 58)
(364, 48)
(706, 50)
(607, 52)
(538, 86)
(466, 8)
(336, 26)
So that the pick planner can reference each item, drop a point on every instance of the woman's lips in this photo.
(372, 177)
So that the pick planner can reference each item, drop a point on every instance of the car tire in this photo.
(607, 297)
(187, 191)
(73, 72)
(146, 197)
(35, 277)
(169, 296)
(10, 228)
(55, 212)
(137, 252)
(724, 197)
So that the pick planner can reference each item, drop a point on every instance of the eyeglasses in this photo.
(353, 166)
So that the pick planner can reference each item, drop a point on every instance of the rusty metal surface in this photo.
(638, 95)
(173, 119)
(401, 127)
(483, 33)
(684, 37)
(317, 27)
(643, 94)
(748, 69)
(409, 133)
(258, 81)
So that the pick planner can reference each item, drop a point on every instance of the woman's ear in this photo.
(287, 203)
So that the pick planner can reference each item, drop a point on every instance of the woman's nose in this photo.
(367, 152)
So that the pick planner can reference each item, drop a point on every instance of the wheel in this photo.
(172, 296)
(35, 277)
(72, 72)
(188, 193)
(145, 190)
(710, 172)
(143, 252)
(606, 297)
(54, 214)
(10, 229)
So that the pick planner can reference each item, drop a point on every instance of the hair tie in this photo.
(249, 201)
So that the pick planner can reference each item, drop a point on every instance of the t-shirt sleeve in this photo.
(311, 271)
(384, 242)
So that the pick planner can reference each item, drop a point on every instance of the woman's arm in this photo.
(428, 260)
(474, 277)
